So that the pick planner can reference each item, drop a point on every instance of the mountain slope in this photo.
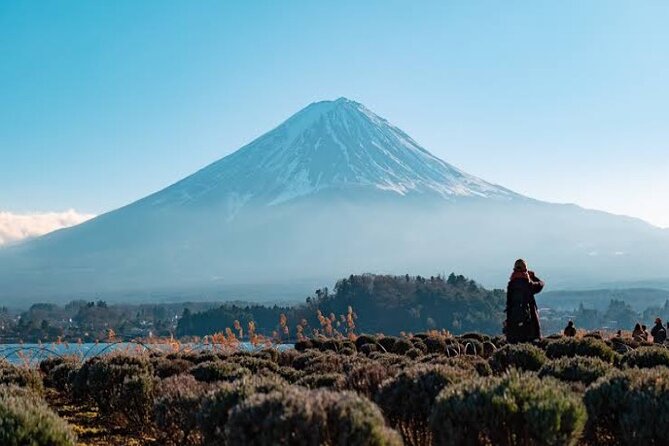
(331, 145)
(332, 191)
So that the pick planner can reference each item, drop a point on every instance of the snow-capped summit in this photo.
(329, 145)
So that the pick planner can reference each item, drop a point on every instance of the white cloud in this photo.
(17, 227)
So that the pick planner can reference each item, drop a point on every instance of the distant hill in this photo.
(381, 303)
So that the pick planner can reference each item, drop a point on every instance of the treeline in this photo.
(375, 303)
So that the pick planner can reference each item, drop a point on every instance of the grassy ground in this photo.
(91, 429)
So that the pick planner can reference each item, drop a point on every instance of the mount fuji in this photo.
(334, 190)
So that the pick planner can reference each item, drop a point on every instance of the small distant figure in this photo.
(522, 314)
(658, 332)
(570, 330)
(637, 333)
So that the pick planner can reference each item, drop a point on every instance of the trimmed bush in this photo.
(120, 385)
(300, 417)
(629, 407)
(570, 347)
(578, 369)
(213, 371)
(407, 399)
(646, 357)
(217, 403)
(175, 410)
(62, 376)
(519, 356)
(387, 343)
(164, 368)
(366, 379)
(402, 346)
(21, 377)
(335, 381)
(513, 409)
(27, 421)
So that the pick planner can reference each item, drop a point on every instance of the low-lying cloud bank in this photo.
(17, 227)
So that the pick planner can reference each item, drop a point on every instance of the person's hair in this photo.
(637, 326)
(643, 327)
(570, 323)
(520, 265)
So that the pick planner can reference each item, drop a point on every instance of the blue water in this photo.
(34, 353)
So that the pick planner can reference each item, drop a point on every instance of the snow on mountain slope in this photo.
(329, 145)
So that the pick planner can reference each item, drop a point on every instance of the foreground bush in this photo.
(646, 357)
(578, 369)
(11, 375)
(513, 409)
(519, 356)
(302, 417)
(407, 399)
(25, 420)
(121, 386)
(175, 410)
(216, 405)
(629, 407)
(571, 347)
(212, 371)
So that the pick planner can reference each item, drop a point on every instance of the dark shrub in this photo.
(286, 357)
(334, 381)
(435, 344)
(387, 343)
(402, 346)
(217, 403)
(646, 357)
(571, 347)
(48, 364)
(513, 409)
(120, 385)
(218, 371)
(325, 363)
(256, 365)
(270, 354)
(578, 369)
(629, 407)
(366, 379)
(301, 361)
(471, 347)
(407, 399)
(368, 349)
(468, 363)
(25, 420)
(419, 344)
(62, 376)
(21, 377)
(303, 345)
(301, 417)
(164, 368)
(175, 410)
(476, 336)
(364, 339)
(413, 353)
(290, 374)
(393, 362)
(519, 356)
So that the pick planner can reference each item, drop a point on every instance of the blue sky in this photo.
(105, 102)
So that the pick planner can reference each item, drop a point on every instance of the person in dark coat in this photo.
(570, 330)
(522, 314)
(658, 332)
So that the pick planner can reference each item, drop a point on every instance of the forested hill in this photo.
(381, 303)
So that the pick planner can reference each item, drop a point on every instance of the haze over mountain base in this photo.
(333, 191)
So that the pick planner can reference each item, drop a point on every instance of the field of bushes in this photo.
(424, 389)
